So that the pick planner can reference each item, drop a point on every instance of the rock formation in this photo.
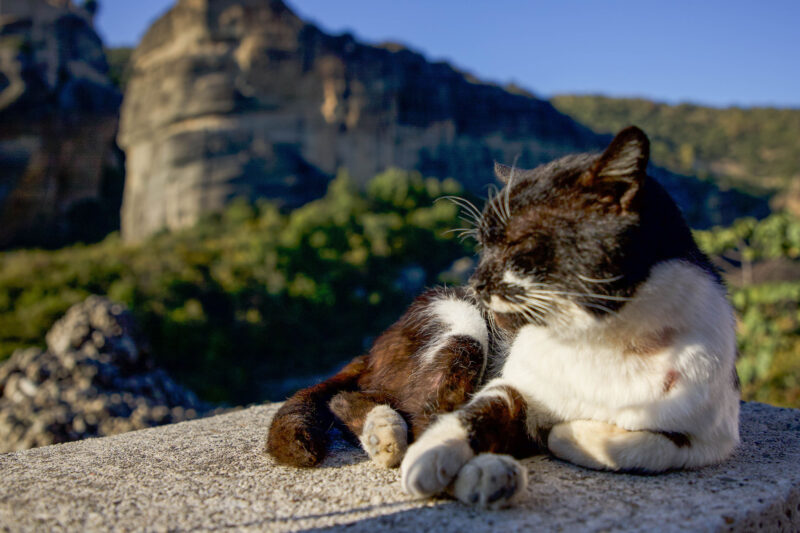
(60, 172)
(94, 379)
(242, 98)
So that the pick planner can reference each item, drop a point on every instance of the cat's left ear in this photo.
(620, 172)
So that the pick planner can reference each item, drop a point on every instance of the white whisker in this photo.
(494, 205)
(507, 201)
(606, 280)
(463, 233)
(469, 208)
(585, 294)
(532, 313)
(534, 303)
(598, 306)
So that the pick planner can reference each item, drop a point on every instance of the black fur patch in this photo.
(681, 440)
(497, 426)
(583, 232)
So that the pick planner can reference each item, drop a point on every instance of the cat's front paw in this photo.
(385, 436)
(427, 469)
(490, 481)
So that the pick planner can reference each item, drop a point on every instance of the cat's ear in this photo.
(620, 172)
(502, 172)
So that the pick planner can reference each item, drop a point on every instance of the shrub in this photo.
(252, 294)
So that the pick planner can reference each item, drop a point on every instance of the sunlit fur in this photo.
(620, 336)
(593, 328)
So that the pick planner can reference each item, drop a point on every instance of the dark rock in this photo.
(60, 170)
(96, 378)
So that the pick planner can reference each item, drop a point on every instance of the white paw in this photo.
(428, 470)
(603, 446)
(583, 442)
(490, 481)
(385, 436)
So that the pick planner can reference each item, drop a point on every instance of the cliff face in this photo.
(59, 170)
(242, 98)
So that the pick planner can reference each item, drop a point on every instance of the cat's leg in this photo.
(382, 432)
(446, 381)
(494, 421)
(604, 446)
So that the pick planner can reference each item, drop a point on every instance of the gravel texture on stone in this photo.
(212, 474)
(95, 379)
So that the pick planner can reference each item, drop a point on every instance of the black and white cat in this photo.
(593, 327)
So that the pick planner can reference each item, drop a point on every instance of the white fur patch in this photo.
(433, 461)
(462, 318)
(458, 317)
(493, 389)
(607, 447)
(499, 305)
(512, 278)
(581, 367)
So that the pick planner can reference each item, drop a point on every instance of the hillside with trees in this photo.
(756, 149)
(254, 297)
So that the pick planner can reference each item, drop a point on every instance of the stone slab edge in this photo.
(212, 474)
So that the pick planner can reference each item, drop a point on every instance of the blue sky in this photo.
(706, 51)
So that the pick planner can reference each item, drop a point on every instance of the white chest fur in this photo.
(664, 362)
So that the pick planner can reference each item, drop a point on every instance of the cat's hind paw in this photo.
(490, 481)
(604, 446)
(385, 436)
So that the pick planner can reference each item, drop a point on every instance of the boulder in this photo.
(95, 378)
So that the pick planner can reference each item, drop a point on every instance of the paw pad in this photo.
(490, 481)
(385, 436)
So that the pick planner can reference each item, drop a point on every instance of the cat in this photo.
(593, 328)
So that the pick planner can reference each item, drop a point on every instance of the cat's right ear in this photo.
(620, 172)
(502, 172)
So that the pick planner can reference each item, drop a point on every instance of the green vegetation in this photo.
(254, 293)
(769, 342)
(118, 60)
(768, 312)
(756, 149)
(774, 237)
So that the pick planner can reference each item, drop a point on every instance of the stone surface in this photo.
(60, 170)
(212, 474)
(242, 98)
(95, 379)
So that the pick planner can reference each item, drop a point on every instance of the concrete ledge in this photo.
(212, 474)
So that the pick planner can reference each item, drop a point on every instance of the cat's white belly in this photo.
(587, 382)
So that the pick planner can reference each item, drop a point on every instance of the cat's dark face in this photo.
(566, 233)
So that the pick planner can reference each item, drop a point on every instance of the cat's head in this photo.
(570, 234)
